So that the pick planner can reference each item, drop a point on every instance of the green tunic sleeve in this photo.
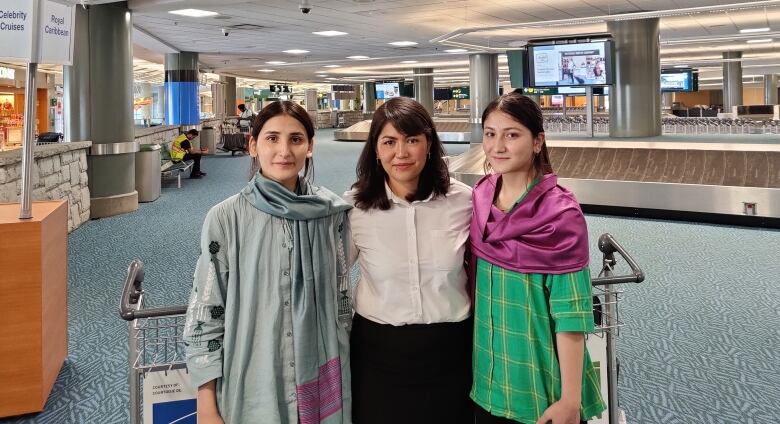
(571, 302)
(205, 321)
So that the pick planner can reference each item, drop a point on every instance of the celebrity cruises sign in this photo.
(54, 31)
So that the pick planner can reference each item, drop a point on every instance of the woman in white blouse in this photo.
(411, 336)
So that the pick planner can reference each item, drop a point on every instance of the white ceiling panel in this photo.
(261, 30)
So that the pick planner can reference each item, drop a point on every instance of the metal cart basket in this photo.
(156, 344)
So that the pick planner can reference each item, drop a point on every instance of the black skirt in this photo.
(419, 373)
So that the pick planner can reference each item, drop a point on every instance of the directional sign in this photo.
(281, 88)
(54, 31)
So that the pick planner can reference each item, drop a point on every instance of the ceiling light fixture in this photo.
(751, 30)
(330, 33)
(322, 75)
(295, 51)
(681, 66)
(266, 70)
(761, 40)
(358, 57)
(276, 62)
(193, 13)
(332, 66)
(408, 61)
(403, 43)
(456, 50)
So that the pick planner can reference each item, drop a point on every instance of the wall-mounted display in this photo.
(387, 90)
(460, 92)
(676, 80)
(573, 64)
(442, 93)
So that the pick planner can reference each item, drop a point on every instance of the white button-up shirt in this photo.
(411, 258)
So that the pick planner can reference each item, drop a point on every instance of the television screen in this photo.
(387, 90)
(460, 92)
(517, 62)
(442, 93)
(678, 80)
(571, 64)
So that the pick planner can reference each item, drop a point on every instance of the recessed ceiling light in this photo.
(322, 75)
(456, 50)
(296, 51)
(749, 30)
(266, 70)
(332, 66)
(403, 43)
(193, 13)
(408, 61)
(330, 78)
(358, 57)
(330, 33)
(680, 66)
(762, 40)
(276, 62)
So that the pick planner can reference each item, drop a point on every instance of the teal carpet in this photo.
(700, 344)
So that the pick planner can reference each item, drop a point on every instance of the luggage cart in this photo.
(155, 336)
(156, 344)
(606, 298)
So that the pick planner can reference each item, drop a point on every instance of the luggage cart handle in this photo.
(608, 246)
(129, 305)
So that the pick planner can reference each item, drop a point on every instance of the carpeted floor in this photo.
(700, 344)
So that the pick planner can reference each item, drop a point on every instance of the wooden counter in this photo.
(33, 304)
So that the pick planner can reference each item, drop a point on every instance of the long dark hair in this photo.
(409, 118)
(283, 108)
(525, 111)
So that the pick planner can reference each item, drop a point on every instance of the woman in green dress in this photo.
(533, 302)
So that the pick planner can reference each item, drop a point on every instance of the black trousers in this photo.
(411, 374)
(196, 162)
(484, 417)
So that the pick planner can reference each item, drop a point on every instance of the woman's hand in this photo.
(209, 418)
(561, 412)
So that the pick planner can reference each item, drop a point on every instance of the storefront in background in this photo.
(12, 98)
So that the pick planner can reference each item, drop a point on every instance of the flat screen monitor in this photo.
(577, 64)
(387, 90)
(517, 62)
(442, 93)
(460, 92)
(679, 80)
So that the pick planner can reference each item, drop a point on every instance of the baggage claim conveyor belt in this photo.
(727, 180)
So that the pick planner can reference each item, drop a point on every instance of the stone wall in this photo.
(60, 173)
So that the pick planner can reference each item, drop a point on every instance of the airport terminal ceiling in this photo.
(244, 37)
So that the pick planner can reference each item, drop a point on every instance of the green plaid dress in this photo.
(516, 370)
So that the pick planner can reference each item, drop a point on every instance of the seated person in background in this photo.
(182, 150)
(244, 118)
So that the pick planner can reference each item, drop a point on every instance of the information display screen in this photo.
(577, 64)
(679, 80)
(387, 90)
(442, 93)
(460, 92)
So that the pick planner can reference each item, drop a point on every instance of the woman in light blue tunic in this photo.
(266, 326)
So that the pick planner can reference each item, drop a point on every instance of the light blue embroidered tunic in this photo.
(239, 324)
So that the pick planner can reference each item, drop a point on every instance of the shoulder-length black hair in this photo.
(525, 111)
(283, 108)
(409, 118)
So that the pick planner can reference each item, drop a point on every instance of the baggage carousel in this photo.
(721, 179)
(449, 130)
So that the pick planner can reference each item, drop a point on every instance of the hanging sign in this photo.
(54, 31)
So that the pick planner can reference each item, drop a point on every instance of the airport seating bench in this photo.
(170, 169)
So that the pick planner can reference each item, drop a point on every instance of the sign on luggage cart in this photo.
(169, 398)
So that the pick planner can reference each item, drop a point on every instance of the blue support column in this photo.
(182, 103)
